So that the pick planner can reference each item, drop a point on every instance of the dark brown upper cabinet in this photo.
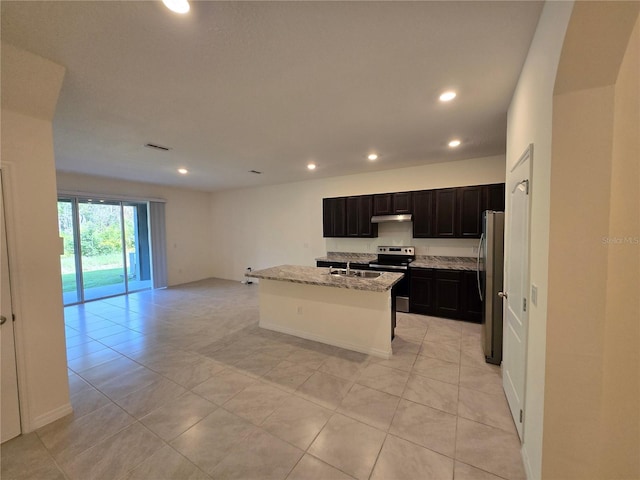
(402, 203)
(392, 203)
(471, 204)
(494, 197)
(445, 213)
(383, 204)
(359, 213)
(423, 214)
(334, 217)
(441, 213)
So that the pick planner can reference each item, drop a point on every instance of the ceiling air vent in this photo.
(157, 147)
(255, 171)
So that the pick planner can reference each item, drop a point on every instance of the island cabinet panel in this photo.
(472, 305)
(445, 210)
(423, 214)
(334, 217)
(392, 203)
(359, 211)
(471, 204)
(422, 291)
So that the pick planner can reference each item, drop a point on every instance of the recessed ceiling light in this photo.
(373, 157)
(177, 6)
(454, 143)
(311, 166)
(448, 96)
(183, 171)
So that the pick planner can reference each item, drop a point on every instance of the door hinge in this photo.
(521, 414)
(524, 304)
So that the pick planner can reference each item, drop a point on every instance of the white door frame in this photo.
(12, 252)
(527, 156)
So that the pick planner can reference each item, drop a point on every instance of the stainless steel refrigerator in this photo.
(490, 279)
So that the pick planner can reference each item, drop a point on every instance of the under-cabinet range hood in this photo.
(391, 218)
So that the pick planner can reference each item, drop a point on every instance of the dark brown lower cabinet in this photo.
(472, 305)
(445, 293)
(422, 291)
(448, 293)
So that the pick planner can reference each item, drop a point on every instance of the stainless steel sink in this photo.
(342, 272)
(366, 274)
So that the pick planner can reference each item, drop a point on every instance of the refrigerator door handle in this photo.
(478, 265)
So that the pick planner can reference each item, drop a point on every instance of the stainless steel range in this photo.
(396, 259)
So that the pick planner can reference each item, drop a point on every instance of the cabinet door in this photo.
(365, 212)
(334, 217)
(472, 305)
(327, 217)
(445, 212)
(494, 197)
(421, 291)
(340, 217)
(353, 216)
(448, 296)
(402, 202)
(470, 208)
(423, 214)
(383, 204)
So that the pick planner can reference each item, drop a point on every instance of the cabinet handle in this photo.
(3, 319)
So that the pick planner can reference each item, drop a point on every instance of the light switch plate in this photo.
(534, 294)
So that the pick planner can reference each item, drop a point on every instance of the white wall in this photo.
(30, 87)
(187, 220)
(529, 121)
(592, 384)
(282, 224)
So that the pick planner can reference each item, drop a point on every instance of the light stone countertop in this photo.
(421, 261)
(320, 276)
(444, 263)
(344, 257)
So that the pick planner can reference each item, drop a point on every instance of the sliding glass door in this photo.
(69, 261)
(101, 244)
(106, 248)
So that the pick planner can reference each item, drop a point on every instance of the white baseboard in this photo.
(329, 341)
(50, 416)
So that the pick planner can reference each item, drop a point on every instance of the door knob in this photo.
(3, 319)
(503, 294)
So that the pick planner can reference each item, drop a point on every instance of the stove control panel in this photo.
(390, 250)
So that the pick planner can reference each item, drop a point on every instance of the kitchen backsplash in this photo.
(401, 234)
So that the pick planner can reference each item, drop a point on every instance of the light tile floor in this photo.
(181, 383)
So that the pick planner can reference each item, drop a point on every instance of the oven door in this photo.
(400, 289)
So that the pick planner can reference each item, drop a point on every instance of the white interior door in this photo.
(516, 288)
(9, 404)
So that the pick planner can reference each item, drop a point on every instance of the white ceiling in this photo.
(270, 86)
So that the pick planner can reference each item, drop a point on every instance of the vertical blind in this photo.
(158, 244)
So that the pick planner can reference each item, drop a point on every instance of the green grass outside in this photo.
(94, 278)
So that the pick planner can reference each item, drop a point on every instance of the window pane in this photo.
(68, 265)
(103, 272)
(136, 232)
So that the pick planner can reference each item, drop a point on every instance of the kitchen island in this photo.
(349, 312)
